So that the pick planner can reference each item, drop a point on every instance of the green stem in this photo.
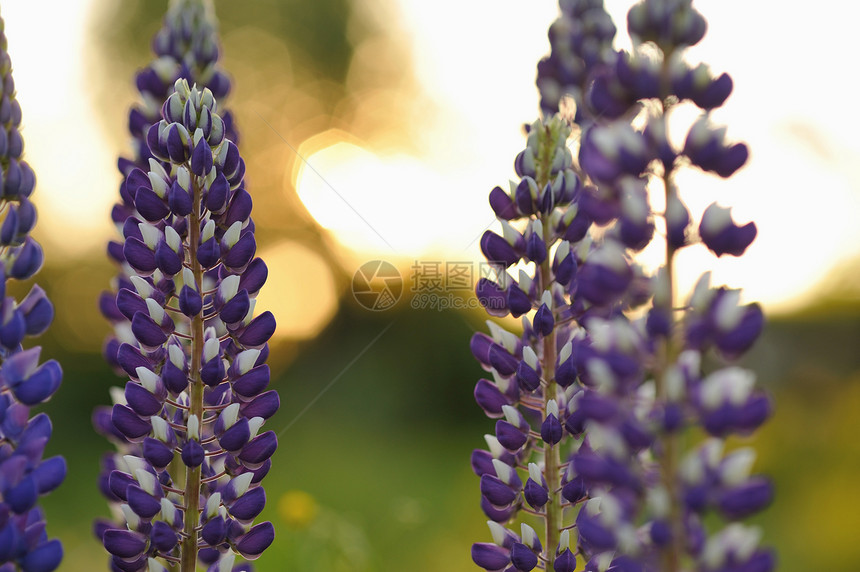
(667, 354)
(192, 476)
(552, 457)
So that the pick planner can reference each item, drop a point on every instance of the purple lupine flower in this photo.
(186, 167)
(643, 379)
(185, 47)
(191, 414)
(531, 388)
(25, 382)
(590, 396)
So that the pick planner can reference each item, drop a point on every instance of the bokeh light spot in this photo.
(300, 290)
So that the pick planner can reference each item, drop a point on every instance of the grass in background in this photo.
(378, 467)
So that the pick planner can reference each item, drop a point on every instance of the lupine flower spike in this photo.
(531, 386)
(185, 47)
(616, 390)
(195, 402)
(656, 517)
(189, 421)
(24, 382)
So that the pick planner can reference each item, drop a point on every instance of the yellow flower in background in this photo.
(297, 508)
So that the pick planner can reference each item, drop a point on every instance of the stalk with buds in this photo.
(25, 381)
(185, 481)
(595, 398)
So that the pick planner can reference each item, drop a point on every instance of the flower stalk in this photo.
(620, 380)
(531, 390)
(191, 412)
(25, 475)
(192, 474)
(552, 457)
(188, 425)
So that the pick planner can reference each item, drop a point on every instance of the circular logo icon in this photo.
(377, 285)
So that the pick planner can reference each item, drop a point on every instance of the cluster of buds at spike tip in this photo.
(24, 382)
(185, 47)
(190, 418)
(581, 46)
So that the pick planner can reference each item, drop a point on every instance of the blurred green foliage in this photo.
(383, 453)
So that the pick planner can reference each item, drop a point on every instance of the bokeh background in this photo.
(373, 130)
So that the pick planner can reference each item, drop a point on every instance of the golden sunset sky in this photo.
(471, 68)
